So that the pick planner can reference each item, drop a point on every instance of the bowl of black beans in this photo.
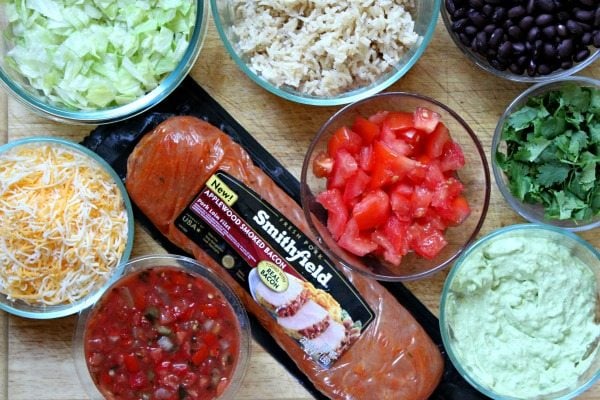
(526, 40)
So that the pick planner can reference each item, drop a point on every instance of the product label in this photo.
(283, 270)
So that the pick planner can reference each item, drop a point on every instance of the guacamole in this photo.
(522, 312)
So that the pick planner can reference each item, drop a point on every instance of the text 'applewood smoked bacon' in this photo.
(392, 359)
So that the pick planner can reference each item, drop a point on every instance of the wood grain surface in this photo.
(35, 356)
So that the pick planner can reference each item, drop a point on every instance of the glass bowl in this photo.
(43, 98)
(474, 175)
(502, 283)
(42, 311)
(174, 328)
(534, 212)
(483, 63)
(426, 13)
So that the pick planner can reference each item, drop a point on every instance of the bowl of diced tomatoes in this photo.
(395, 186)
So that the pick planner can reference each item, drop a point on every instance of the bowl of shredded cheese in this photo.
(66, 227)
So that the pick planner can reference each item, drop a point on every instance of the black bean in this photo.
(516, 12)
(514, 32)
(471, 30)
(522, 61)
(565, 48)
(531, 68)
(465, 39)
(533, 34)
(585, 27)
(489, 29)
(477, 18)
(459, 26)
(526, 23)
(529, 47)
(494, 1)
(450, 6)
(518, 48)
(574, 27)
(496, 37)
(545, 5)
(488, 10)
(588, 3)
(499, 65)
(549, 50)
(597, 39)
(482, 41)
(562, 30)
(586, 38)
(597, 17)
(460, 13)
(476, 4)
(562, 16)
(544, 69)
(516, 69)
(582, 55)
(544, 19)
(566, 64)
(530, 6)
(499, 15)
(549, 32)
(584, 15)
(505, 49)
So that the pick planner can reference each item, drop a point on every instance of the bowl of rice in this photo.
(325, 52)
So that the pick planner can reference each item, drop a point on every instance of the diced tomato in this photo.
(378, 117)
(398, 120)
(322, 165)
(446, 192)
(354, 242)
(434, 176)
(131, 362)
(344, 138)
(368, 130)
(412, 136)
(387, 248)
(433, 219)
(138, 380)
(420, 200)
(344, 167)
(401, 205)
(426, 119)
(356, 185)
(434, 146)
(200, 354)
(390, 167)
(337, 215)
(456, 212)
(399, 146)
(426, 241)
(452, 158)
(365, 158)
(372, 210)
(397, 233)
(209, 310)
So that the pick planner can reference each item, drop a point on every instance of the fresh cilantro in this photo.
(552, 152)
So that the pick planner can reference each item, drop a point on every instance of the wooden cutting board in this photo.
(35, 356)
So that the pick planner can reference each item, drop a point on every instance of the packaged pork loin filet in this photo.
(347, 335)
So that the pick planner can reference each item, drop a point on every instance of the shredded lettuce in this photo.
(90, 54)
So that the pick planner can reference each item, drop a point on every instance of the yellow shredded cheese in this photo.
(63, 224)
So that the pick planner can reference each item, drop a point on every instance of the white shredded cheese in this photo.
(63, 224)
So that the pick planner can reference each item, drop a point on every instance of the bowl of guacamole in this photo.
(520, 313)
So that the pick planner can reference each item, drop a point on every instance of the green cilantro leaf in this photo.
(552, 173)
(522, 118)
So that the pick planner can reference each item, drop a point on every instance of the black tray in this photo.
(114, 143)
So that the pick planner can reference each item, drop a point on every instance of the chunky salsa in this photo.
(162, 333)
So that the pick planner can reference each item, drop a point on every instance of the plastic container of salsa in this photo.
(168, 328)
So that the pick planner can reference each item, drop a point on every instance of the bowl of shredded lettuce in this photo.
(97, 61)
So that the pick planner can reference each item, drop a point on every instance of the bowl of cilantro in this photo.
(546, 153)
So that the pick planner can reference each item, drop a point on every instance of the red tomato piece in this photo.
(365, 158)
(372, 210)
(426, 241)
(434, 145)
(399, 146)
(455, 212)
(131, 362)
(452, 158)
(337, 215)
(426, 119)
(354, 242)
(344, 167)
(368, 130)
(397, 233)
(434, 176)
(433, 219)
(356, 185)
(401, 205)
(344, 138)
(386, 247)
(322, 165)
(398, 121)
(446, 192)
(420, 200)
(201, 354)
(378, 117)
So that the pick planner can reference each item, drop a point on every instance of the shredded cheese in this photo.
(63, 224)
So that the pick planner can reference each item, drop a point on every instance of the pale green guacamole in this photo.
(522, 313)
